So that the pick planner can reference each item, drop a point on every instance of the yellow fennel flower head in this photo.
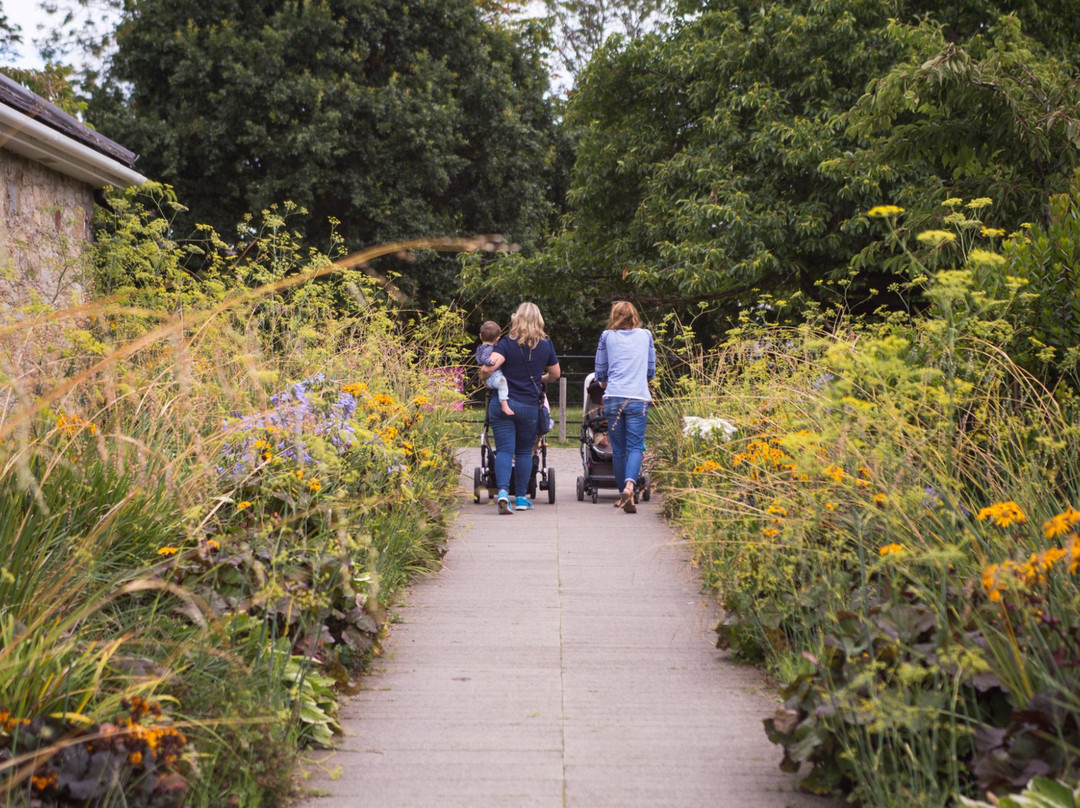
(985, 258)
(1061, 524)
(936, 238)
(953, 202)
(991, 232)
(891, 549)
(884, 211)
(980, 203)
(1002, 514)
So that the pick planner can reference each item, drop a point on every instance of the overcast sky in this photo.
(27, 14)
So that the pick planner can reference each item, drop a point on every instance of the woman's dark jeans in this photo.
(514, 438)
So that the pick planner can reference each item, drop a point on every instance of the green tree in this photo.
(393, 119)
(994, 117)
(696, 177)
(724, 161)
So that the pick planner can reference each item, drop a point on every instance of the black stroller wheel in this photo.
(646, 489)
(580, 489)
(478, 482)
(551, 486)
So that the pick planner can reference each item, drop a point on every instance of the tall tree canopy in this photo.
(397, 119)
(740, 153)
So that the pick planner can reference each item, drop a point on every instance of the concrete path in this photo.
(563, 658)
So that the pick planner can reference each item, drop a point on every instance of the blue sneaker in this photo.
(523, 504)
(504, 503)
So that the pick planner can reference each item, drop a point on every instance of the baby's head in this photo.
(490, 332)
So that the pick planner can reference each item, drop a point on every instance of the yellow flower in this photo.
(778, 510)
(706, 467)
(135, 758)
(168, 551)
(981, 202)
(935, 238)
(991, 232)
(212, 545)
(890, 549)
(884, 211)
(835, 472)
(1073, 549)
(242, 505)
(314, 485)
(770, 532)
(388, 434)
(990, 583)
(72, 424)
(880, 499)
(1062, 523)
(985, 258)
(1003, 514)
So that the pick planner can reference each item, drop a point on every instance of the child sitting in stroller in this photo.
(489, 336)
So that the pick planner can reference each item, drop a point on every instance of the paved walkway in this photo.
(564, 658)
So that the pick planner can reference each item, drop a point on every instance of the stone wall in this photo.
(45, 224)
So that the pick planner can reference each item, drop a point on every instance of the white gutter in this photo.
(43, 144)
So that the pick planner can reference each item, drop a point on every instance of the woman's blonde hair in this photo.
(527, 325)
(623, 316)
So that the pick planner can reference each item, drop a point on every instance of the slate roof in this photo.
(14, 95)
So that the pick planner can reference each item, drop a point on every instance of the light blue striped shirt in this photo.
(626, 360)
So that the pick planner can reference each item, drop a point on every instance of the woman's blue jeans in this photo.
(626, 420)
(514, 438)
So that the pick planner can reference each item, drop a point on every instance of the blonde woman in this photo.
(528, 361)
(625, 364)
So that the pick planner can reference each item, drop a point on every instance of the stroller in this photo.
(596, 457)
(484, 474)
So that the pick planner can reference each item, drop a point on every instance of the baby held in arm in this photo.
(489, 337)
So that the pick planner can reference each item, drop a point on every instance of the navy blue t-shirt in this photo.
(523, 363)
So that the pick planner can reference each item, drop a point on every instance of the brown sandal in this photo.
(626, 499)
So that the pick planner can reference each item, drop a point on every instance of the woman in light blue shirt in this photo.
(625, 364)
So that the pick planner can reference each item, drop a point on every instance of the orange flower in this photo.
(1003, 514)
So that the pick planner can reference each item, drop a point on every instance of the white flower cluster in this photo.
(707, 427)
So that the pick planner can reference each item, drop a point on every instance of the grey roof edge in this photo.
(14, 95)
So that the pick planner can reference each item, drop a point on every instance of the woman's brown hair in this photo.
(623, 316)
